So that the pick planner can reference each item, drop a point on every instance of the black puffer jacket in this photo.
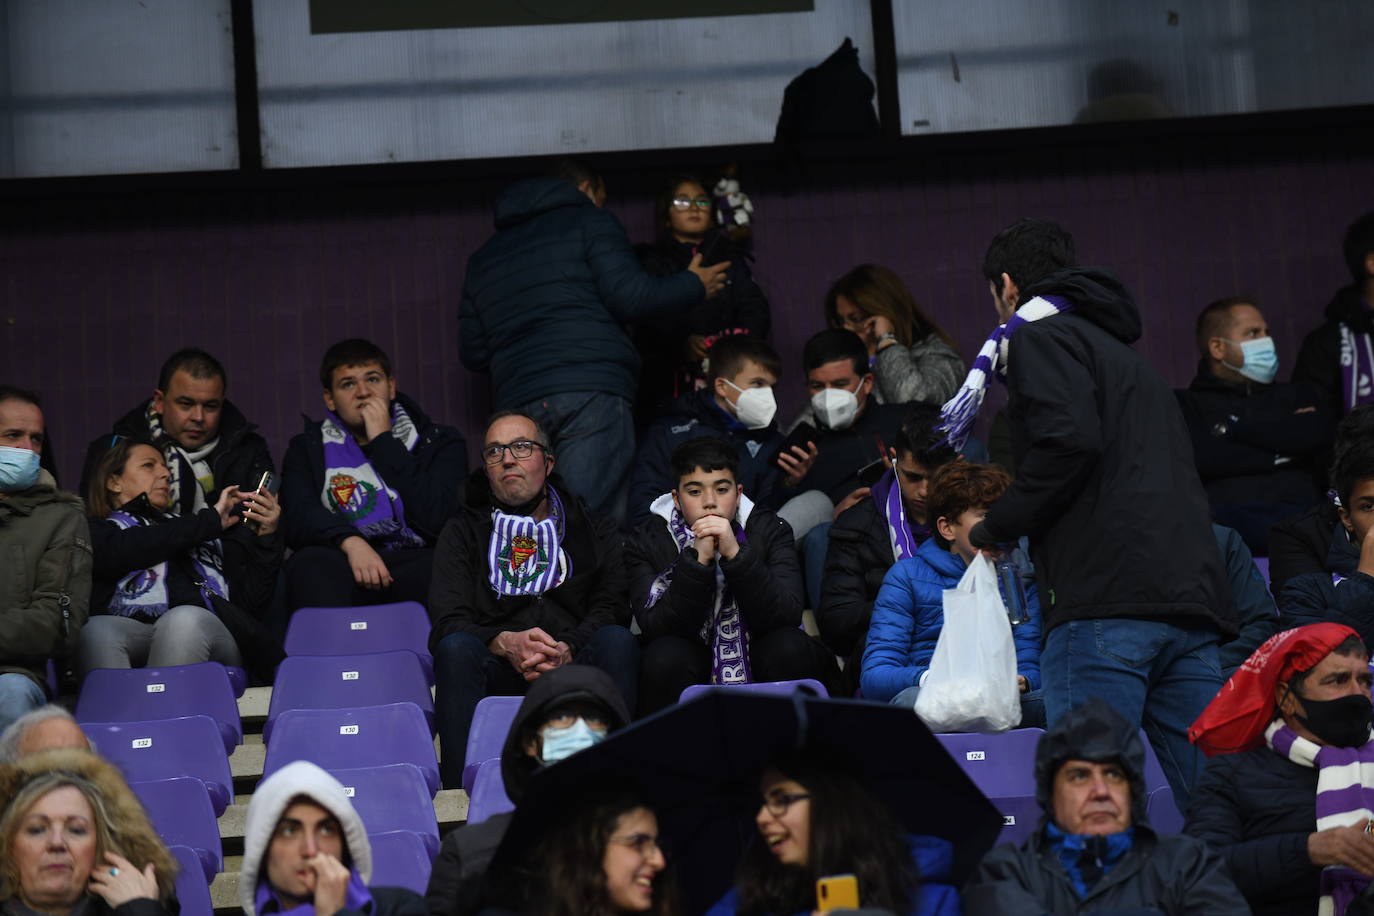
(456, 882)
(1302, 544)
(1319, 360)
(1172, 875)
(1257, 809)
(856, 562)
(1105, 484)
(462, 601)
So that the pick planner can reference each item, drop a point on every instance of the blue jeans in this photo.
(465, 671)
(593, 438)
(1157, 675)
(18, 694)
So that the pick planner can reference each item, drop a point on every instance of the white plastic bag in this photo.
(971, 686)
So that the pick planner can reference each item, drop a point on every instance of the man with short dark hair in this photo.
(207, 442)
(526, 580)
(1256, 441)
(366, 491)
(1337, 358)
(738, 407)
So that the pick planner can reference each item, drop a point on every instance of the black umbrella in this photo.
(699, 764)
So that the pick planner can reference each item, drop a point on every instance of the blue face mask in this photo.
(1260, 360)
(18, 469)
(559, 743)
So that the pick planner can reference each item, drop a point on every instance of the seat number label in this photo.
(157, 688)
(350, 675)
(358, 625)
(976, 755)
(138, 743)
(348, 729)
(348, 791)
(1009, 820)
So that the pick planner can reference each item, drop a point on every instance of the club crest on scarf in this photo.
(354, 498)
(526, 557)
(140, 583)
(515, 560)
(354, 488)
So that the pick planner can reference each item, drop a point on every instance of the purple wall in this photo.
(99, 289)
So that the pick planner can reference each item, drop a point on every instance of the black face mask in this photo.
(526, 508)
(1343, 722)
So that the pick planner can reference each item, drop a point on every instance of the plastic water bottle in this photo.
(1013, 592)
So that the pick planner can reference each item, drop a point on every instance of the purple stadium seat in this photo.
(488, 795)
(811, 685)
(1262, 564)
(399, 859)
(490, 725)
(141, 694)
(164, 748)
(193, 891)
(355, 630)
(368, 736)
(238, 679)
(1154, 773)
(344, 681)
(393, 797)
(180, 811)
(1003, 765)
(1020, 816)
(1163, 814)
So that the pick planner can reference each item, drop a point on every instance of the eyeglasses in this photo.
(643, 844)
(686, 203)
(778, 804)
(520, 448)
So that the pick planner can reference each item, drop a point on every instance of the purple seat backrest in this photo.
(367, 736)
(355, 630)
(1002, 765)
(1154, 773)
(1163, 814)
(810, 685)
(399, 859)
(393, 797)
(488, 794)
(1262, 564)
(164, 748)
(193, 892)
(180, 811)
(141, 694)
(487, 736)
(339, 681)
(1020, 817)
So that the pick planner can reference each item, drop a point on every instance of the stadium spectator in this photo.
(1094, 850)
(1256, 613)
(868, 537)
(43, 729)
(75, 840)
(715, 585)
(45, 580)
(207, 442)
(909, 612)
(738, 407)
(674, 348)
(1344, 591)
(1105, 490)
(543, 308)
(817, 819)
(1281, 800)
(566, 710)
(367, 490)
(304, 845)
(1256, 441)
(912, 357)
(1337, 359)
(526, 580)
(164, 582)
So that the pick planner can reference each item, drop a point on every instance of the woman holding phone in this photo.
(162, 582)
(818, 827)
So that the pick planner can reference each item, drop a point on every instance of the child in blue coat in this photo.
(909, 610)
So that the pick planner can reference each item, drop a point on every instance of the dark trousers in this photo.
(321, 577)
(672, 663)
(465, 671)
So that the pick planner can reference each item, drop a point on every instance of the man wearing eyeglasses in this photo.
(526, 580)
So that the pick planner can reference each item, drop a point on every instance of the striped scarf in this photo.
(904, 537)
(1357, 368)
(143, 592)
(189, 472)
(1345, 797)
(354, 489)
(524, 556)
(960, 412)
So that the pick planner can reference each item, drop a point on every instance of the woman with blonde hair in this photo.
(74, 838)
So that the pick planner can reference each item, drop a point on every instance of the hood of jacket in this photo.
(41, 493)
(1097, 295)
(1097, 733)
(1206, 380)
(663, 507)
(1348, 306)
(535, 196)
(945, 562)
(553, 689)
(271, 799)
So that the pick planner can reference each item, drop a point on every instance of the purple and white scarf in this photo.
(353, 488)
(960, 412)
(144, 591)
(524, 556)
(1345, 798)
(356, 897)
(724, 630)
(190, 475)
(905, 538)
(1357, 368)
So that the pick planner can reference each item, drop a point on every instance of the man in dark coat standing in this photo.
(1337, 358)
(1094, 851)
(1106, 491)
(544, 306)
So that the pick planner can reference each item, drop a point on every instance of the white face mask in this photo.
(755, 407)
(559, 743)
(836, 408)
